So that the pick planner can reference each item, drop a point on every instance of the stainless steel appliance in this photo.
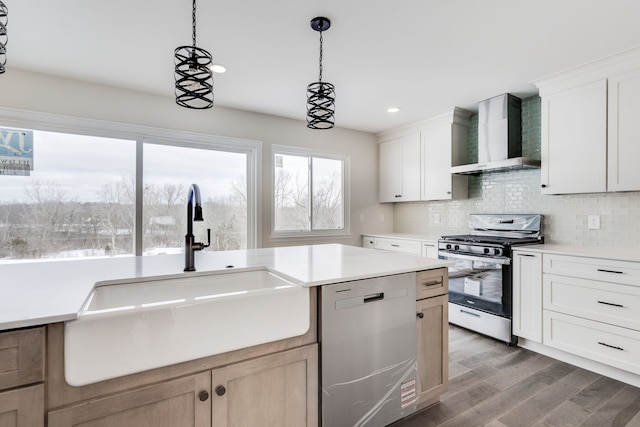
(480, 282)
(499, 137)
(368, 351)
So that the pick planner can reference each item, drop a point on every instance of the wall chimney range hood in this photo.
(499, 138)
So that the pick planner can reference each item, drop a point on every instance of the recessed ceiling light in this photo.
(393, 109)
(218, 68)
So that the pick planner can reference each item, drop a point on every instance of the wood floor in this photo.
(491, 384)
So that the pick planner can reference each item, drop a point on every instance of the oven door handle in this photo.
(502, 261)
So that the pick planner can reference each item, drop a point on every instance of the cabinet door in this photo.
(574, 140)
(22, 407)
(430, 249)
(527, 295)
(399, 169)
(368, 242)
(275, 390)
(437, 150)
(390, 171)
(624, 132)
(433, 348)
(180, 402)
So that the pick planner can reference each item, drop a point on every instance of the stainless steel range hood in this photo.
(499, 137)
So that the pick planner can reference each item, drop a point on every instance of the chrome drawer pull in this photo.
(609, 271)
(610, 303)
(433, 283)
(611, 346)
(469, 313)
(531, 255)
(396, 246)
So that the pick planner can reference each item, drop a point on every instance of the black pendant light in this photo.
(4, 13)
(321, 96)
(194, 78)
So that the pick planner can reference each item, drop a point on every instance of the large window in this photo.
(168, 173)
(309, 193)
(89, 196)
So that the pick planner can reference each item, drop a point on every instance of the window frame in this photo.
(49, 122)
(346, 192)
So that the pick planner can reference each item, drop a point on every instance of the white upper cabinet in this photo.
(624, 132)
(399, 169)
(574, 140)
(444, 144)
(590, 127)
(415, 161)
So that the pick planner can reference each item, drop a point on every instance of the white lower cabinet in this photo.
(601, 342)
(527, 295)
(591, 309)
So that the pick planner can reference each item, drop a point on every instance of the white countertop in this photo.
(46, 292)
(595, 252)
(407, 236)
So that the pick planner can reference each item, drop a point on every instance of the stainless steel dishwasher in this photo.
(368, 351)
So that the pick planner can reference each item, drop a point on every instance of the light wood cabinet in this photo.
(22, 363)
(180, 402)
(22, 407)
(527, 295)
(277, 390)
(432, 340)
(399, 169)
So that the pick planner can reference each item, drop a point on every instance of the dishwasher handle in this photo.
(374, 297)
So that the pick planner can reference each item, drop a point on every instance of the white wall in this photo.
(47, 94)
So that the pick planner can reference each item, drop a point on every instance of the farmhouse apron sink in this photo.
(128, 327)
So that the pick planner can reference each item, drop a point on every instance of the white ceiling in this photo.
(422, 55)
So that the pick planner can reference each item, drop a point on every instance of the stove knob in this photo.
(448, 246)
(496, 251)
(456, 248)
(486, 250)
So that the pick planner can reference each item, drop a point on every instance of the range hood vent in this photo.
(499, 138)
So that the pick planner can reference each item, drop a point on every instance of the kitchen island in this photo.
(273, 379)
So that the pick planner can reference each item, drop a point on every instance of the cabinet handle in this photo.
(469, 313)
(544, 186)
(611, 346)
(420, 315)
(604, 270)
(433, 283)
(220, 390)
(610, 303)
(203, 396)
(395, 246)
(448, 192)
(530, 255)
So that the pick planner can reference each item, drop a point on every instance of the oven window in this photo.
(479, 279)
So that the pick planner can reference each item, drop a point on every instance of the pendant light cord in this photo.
(193, 20)
(320, 77)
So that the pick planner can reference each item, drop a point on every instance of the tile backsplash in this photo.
(565, 216)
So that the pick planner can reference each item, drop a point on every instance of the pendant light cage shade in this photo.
(193, 74)
(194, 78)
(321, 96)
(4, 14)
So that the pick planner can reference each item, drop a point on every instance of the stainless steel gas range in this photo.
(480, 282)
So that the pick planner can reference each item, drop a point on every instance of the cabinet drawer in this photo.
(21, 357)
(23, 407)
(431, 283)
(616, 304)
(398, 245)
(612, 345)
(605, 270)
